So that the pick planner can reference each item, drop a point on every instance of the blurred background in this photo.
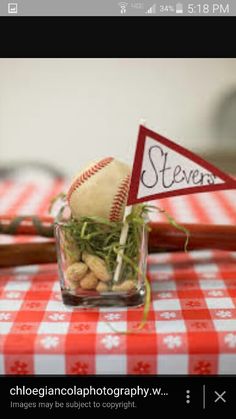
(59, 114)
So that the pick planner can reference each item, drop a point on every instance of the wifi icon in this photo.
(151, 10)
(123, 7)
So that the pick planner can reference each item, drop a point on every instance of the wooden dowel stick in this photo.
(123, 238)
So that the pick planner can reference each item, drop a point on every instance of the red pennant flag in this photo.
(163, 168)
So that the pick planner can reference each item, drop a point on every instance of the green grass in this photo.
(101, 237)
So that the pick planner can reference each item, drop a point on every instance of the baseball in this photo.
(101, 189)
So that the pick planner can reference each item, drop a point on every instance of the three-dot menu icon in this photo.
(187, 396)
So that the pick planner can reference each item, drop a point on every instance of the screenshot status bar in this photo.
(145, 8)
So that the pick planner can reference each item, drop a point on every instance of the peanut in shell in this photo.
(76, 271)
(89, 282)
(97, 266)
(102, 287)
(127, 285)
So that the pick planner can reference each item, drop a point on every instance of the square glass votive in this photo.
(86, 280)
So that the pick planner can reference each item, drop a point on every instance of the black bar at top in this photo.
(112, 37)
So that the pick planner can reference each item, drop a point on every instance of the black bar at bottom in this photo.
(112, 394)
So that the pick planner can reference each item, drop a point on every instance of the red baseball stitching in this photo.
(87, 174)
(119, 199)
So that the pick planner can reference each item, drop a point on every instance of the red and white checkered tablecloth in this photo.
(191, 328)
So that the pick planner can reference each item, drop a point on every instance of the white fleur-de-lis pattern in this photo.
(49, 342)
(168, 315)
(5, 316)
(224, 314)
(111, 341)
(164, 294)
(112, 316)
(13, 294)
(172, 341)
(57, 317)
(230, 340)
(215, 293)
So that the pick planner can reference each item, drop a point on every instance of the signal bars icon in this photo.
(151, 10)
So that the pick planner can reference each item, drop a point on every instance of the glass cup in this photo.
(86, 278)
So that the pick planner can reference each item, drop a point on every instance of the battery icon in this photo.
(179, 8)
